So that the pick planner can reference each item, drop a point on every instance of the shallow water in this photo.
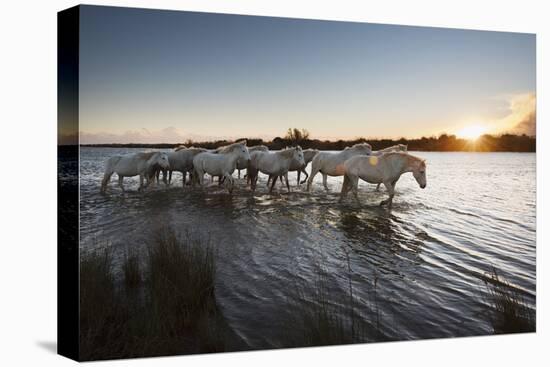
(418, 266)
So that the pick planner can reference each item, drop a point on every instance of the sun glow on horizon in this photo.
(471, 132)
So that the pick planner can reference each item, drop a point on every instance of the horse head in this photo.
(419, 172)
(162, 160)
(242, 151)
(298, 155)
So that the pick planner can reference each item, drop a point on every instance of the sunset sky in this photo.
(159, 76)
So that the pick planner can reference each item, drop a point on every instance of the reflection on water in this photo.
(425, 256)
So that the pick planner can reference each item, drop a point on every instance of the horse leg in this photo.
(164, 177)
(200, 177)
(325, 181)
(305, 173)
(229, 182)
(196, 178)
(140, 183)
(239, 173)
(390, 186)
(286, 179)
(256, 177)
(314, 170)
(105, 181)
(345, 188)
(252, 175)
(355, 187)
(273, 182)
(120, 182)
(298, 177)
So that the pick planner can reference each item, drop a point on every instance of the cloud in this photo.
(169, 135)
(522, 118)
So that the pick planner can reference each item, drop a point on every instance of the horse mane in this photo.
(395, 148)
(229, 148)
(359, 145)
(288, 152)
(261, 148)
(414, 158)
(146, 155)
(410, 159)
(196, 149)
(179, 148)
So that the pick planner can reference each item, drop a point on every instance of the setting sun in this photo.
(472, 132)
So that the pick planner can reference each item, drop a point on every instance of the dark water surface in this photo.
(418, 266)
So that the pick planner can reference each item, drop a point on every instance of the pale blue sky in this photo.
(213, 75)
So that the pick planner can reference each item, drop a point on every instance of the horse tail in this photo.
(252, 173)
(198, 170)
(315, 168)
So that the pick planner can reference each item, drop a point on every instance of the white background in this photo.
(28, 181)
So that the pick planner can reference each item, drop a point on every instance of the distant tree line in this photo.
(443, 143)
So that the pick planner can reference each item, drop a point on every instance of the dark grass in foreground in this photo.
(318, 319)
(507, 310)
(165, 304)
(166, 307)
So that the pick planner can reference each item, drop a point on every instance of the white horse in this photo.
(221, 164)
(274, 164)
(332, 164)
(393, 148)
(296, 166)
(143, 164)
(242, 164)
(181, 160)
(386, 168)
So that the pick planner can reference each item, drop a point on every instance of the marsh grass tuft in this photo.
(317, 319)
(102, 314)
(167, 307)
(507, 310)
(132, 269)
(182, 273)
(316, 322)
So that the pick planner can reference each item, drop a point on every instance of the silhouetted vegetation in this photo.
(164, 303)
(443, 143)
(507, 310)
(297, 136)
(320, 319)
(132, 270)
(167, 308)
